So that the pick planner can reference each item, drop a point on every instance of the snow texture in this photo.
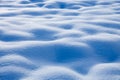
(59, 39)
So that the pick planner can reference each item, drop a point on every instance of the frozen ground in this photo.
(59, 39)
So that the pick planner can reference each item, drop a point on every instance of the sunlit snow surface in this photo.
(59, 39)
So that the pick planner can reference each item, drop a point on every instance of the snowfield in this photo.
(59, 39)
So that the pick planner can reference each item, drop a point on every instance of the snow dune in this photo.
(59, 39)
